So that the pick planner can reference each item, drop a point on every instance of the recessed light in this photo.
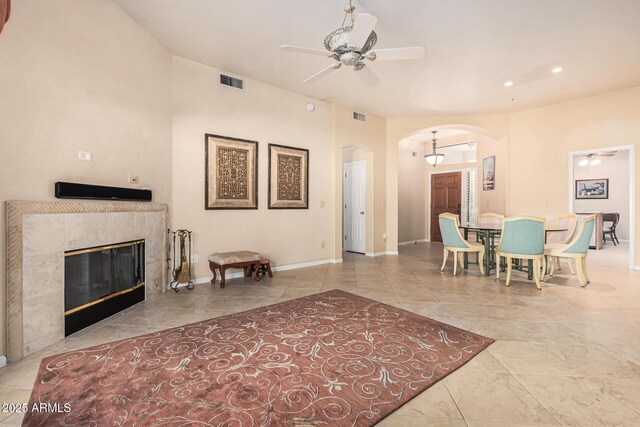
(556, 70)
(508, 84)
(310, 106)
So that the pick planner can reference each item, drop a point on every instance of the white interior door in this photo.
(355, 202)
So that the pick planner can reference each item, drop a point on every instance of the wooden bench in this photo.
(247, 260)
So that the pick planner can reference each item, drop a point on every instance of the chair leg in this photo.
(461, 260)
(615, 236)
(584, 268)
(543, 272)
(581, 277)
(558, 266)
(552, 266)
(509, 266)
(481, 261)
(536, 272)
(444, 261)
(571, 266)
(497, 266)
(455, 262)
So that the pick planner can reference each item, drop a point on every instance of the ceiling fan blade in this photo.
(399, 53)
(324, 72)
(367, 76)
(301, 49)
(361, 30)
(607, 154)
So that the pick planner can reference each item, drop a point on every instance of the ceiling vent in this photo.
(231, 81)
(358, 116)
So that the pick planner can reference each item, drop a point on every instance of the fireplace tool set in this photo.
(181, 266)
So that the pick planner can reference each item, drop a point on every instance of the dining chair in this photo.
(454, 242)
(577, 249)
(614, 219)
(569, 222)
(489, 219)
(522, 238)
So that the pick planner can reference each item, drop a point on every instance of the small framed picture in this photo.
(288, 177)
(489, 173)
(592, 188)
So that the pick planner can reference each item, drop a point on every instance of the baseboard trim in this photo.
(3, 361)
(375, 254)
(412, 242)
(238, 274)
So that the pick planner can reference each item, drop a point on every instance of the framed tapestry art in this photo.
(231, 173)
(592, 188)
(288, 177)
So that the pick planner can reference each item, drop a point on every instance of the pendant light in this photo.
(434, 158)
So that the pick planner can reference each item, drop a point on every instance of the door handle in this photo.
(361, 212)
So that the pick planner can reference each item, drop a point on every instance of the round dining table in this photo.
(487, 236)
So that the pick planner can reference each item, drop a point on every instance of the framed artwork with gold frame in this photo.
(231, 173)
(288, 177)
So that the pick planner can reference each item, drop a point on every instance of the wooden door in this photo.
(446, 195)
(355, 201)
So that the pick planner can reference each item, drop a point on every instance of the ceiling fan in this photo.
(350, 45)
(592, 159)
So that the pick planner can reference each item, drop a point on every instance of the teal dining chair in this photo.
(577, 249)
(454, 242)
(522, 238)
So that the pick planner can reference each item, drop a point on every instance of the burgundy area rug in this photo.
(330, 359)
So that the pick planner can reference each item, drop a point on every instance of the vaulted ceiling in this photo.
(473, 47)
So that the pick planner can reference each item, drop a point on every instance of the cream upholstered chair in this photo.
(454, 242)
(577, 249)
(490, 219)
(522, 238)
(568, 221)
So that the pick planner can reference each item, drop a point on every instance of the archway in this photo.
(465, 148)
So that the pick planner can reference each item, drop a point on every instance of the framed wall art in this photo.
(288, 177)
(489, 173)
(592, 188)
(231, 173)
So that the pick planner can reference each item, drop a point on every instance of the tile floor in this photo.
(562, 356)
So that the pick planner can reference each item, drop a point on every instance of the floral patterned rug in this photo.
(330, 359)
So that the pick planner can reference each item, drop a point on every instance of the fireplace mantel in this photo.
(38, 234)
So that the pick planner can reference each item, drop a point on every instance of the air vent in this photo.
(231, 81)
(358, 116)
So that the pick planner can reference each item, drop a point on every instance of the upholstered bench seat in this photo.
(223, 258)
(248, 260)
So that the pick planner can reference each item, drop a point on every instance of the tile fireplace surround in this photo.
(38, 234)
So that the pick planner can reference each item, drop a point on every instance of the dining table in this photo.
(487, 236)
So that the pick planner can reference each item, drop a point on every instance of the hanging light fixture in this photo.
(434, 158)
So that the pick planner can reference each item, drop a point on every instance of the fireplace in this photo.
(101, 281)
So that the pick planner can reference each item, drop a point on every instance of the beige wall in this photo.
(535, 145)
(616, 169)
(370, 135)
(542, 138)
(411, 191)
(261, 113)
(80, 75)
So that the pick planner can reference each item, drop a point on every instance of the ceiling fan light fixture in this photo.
(583, 162)
(594, 162)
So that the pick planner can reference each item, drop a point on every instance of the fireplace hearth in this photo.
(101, 281)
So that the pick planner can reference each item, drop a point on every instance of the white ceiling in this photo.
(472, 47)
